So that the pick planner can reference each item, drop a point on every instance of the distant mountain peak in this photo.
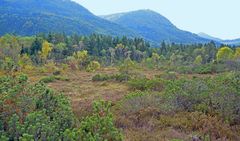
(154, 27)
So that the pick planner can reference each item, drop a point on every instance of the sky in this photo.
(218, 18)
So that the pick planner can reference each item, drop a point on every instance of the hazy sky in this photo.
(219, 18)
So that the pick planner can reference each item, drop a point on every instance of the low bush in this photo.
(116, 77)
(206, 126)
(52, 78)
(207, 95)
(93, 66)
(138, 84)
(208, 107)
(121, 77)
(32, 111)
(146, 84)
(97, 127)
(101, 77)
(35, 112)
(167, 76)
(203, 69)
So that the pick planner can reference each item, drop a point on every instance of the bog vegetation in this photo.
(170, 92)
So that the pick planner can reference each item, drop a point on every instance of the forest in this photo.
(105, 88)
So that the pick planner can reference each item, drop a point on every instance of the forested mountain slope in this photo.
(154, 27)
(29, 17)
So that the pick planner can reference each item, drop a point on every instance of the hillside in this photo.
(154, 27)
(29, 17)
(227, 42)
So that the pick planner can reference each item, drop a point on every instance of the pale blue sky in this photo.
(219, 18)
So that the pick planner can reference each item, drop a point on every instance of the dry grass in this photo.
(83, 91)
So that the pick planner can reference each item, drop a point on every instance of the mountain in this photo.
(227, 42)
(154, 27)
(29, 17)
(206, 36)
(232, 42)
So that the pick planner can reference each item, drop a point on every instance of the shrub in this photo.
(97, 127)
(101, 77)
(105, 77)
(121, 77)
(155, 85)
(167, 76)
(138, 84)
(48, 79)
(208, 95)
(52, 78)
(93, 66)
(32, 111)
(203, 69)
(205, 125)
(57, 72)
(146, 84)
(185, 69)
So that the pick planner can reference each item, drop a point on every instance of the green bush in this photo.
(32, 111)
(35, 112)
(167, 76)
(203, 69)
(48, 79)
(121, 77)
(138, 84)
(52, 78)
(101, 77)
(146, 84)
(93, 66)
(185, 70)
(97, 127)
(219, 95)
(105, 77)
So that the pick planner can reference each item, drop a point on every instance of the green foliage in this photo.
(138, 84)
(146, 84)
(127, 67)
(98, 126)
(35, 112)
(203, 69)
(46, 49)
(198, 60)
(81, 56)
(237, 53)
(8, 64)
(224, 54)
(52, 78)
(79, 52)
(167, 76)
(121, 77)
(31, 112)
(207, 107)
(207, 95)
(116, 77)
(101, 77)
(93, 66)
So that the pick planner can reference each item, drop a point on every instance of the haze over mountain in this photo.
(29, 17)
(154, 27)
(228, 42)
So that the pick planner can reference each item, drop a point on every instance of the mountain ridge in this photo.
(29, 17)
(227, 42)
(153, 26)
